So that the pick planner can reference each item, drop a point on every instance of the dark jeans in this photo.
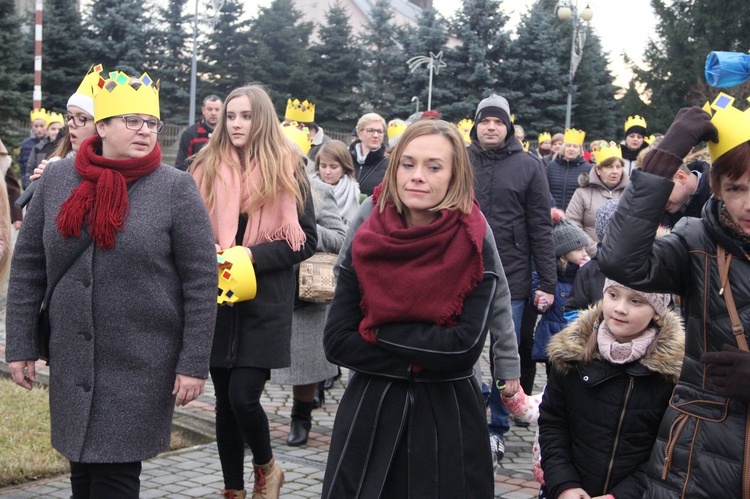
(110, 480)
(240, 418)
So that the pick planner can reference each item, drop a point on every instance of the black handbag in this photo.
(42, 318)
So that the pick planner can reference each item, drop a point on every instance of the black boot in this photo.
(320, 396)
(301, 423)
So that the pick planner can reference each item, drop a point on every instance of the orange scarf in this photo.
(275, 221)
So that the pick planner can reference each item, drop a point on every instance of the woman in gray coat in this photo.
(131, 318)
(309, 363)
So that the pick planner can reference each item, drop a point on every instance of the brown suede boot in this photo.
(234, 494)
(268, 480)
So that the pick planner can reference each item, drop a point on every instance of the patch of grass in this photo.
(26, 453)
(25, 450)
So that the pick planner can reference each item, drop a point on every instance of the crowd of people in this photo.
(551, 254)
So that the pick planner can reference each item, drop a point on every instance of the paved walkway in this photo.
(195, 471)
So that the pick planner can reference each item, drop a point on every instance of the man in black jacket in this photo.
(196, 135)
(511, 188)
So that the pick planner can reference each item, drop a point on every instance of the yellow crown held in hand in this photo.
(39, 114)
(396, 128)
(573, 136)
(297, 136)
(119, 95)
(606, 150)
(299, 111)
(236, 276)
(733, 125)
(635, 121)
(544, 137)
(464, 127)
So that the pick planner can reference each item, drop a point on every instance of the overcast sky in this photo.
(622, 25)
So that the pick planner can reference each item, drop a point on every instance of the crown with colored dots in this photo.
(545, 136)
(606, 150)
(118, 95)
(573, 136)
(396, 128)
(732, 124)
(299, 111)
(635, 121)
(297, 136)
(236, 276)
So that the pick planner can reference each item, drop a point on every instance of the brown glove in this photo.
(691, 126)
(729, 371)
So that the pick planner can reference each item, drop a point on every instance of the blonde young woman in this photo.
(258, 197)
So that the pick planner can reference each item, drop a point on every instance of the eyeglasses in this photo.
(136, 123)
(77, 120)
(374, 131)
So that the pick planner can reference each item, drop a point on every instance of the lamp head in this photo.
(564, 12)
(587, 14)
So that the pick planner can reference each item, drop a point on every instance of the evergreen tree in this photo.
(120, 35)
(686, 32)
(64, 63)
(537, 77)
(278, 54)
(170, 62)
(14, 105)
(595, 109)
(431, 36)
(474, 68)
(222, 65)
(382, 61)
(632, 104)
(336, 71)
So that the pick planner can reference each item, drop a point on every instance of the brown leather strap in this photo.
(725, 260)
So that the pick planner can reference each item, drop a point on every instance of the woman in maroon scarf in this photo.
(414, 295)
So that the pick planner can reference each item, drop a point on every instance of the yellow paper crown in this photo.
(573, 136)
(544, 136)
(526, 145)
(732, 124)
(122, 98)
(39, 114)
(464, 127)
(396, 128)
(236, 276)
(299, 111)
(649, 139)
(296, 136)
(55, 118)
(635, 121)
(606, 150)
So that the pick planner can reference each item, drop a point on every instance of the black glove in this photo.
(729, 371)
(691, 126)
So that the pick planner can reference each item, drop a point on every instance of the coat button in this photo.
(676, 399)
(85, 386)
(86, 282)
(86, 335)
(586, 379)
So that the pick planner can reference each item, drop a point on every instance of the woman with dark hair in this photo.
(333, 165)
(257, 195)
(132, 312)
(702, 449)
(412, 420)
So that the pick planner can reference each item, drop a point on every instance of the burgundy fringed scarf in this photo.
(101, 199)
(416, 274)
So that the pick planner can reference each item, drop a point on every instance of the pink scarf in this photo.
(623, 353)
(271, 222)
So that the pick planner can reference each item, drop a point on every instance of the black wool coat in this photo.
(258, 332)
(401, 434)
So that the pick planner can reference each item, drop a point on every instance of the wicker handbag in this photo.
(316, 281)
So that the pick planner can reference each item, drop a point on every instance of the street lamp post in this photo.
(434, 62)
(416, 99)
(567, 10)
(211, 17)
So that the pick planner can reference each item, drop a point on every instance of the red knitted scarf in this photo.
(101, 199)
(416, 274)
